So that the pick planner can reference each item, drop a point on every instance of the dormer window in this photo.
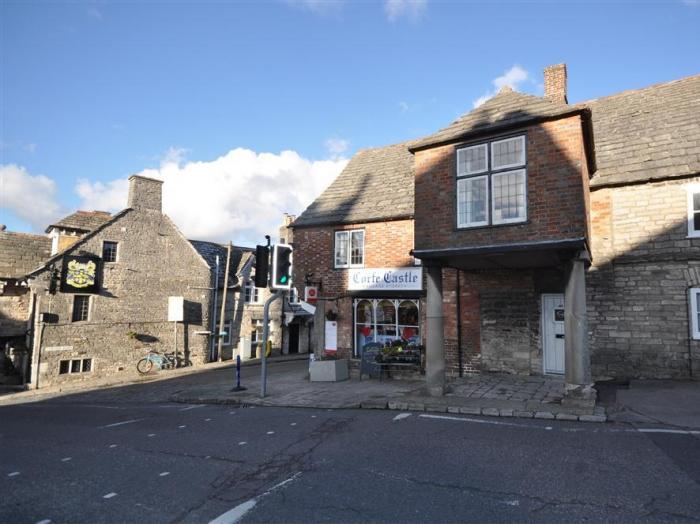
(491, 183)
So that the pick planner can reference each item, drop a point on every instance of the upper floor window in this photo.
(350, 248)
(695, 312)
(694, 212)
(252, 293)
(81, 308)
(491, 183)
(109, 251)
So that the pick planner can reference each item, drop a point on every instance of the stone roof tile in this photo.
(20, 253)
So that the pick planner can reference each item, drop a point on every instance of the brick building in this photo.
(555, 238)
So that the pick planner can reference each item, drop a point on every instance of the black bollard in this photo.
(238, 375)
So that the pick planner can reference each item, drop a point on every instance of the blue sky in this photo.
(208, 95)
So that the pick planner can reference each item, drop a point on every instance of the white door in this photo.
(553, 333)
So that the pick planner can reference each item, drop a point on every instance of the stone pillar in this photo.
(435, 349)
(577, 356)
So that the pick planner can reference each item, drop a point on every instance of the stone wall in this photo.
(14, 311)
(154, 262)
(638, 283)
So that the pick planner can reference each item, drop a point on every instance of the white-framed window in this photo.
(293, 295)
(508, 153)
(695, 312)
(694, 211)
(508, 202)
(350, 248)
(385, 320)
(251, 293)
(473, 201)
(81, 308)
(227, 328)
(76, 365)
(109, 251)
(489, 190)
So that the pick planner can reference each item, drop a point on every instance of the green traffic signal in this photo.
(283, 280)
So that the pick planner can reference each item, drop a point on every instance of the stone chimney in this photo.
(555, 83)
(286, 234)
(145, 193)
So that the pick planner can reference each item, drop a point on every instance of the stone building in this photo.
(555, 238)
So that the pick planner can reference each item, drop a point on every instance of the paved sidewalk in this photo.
(668, 402)
(495, 395)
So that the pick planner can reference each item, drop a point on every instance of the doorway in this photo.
(553, 333)
(293, 338)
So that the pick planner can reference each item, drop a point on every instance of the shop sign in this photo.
(81, 274)
(382, 279)
(311, 294)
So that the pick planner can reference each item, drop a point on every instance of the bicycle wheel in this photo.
(144, 365)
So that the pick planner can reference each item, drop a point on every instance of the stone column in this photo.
(435, 349)
(577, 356)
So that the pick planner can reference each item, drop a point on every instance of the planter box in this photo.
(328, 370)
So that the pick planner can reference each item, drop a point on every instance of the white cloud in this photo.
(412, 9)
(239, 196)
(31, 198)
(512, 78)
(336, 146)
(174, 155)
(692, 3)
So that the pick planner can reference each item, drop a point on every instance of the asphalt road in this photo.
(127, 455)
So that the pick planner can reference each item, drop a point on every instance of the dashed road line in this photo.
(121, 423)
(66, 459)
(669, 431)
(293, 424)
(243, 443)
(45, 521)
(197, 406)
(401, 416)
(270, 432)
(112, 445)
(151, 435)
(109, 495)
(164, 474)
(13, 474)
(183, 426)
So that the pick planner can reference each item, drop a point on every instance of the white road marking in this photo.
(13, 474)
(270, 432)
(207, 420)
(671, 431)
(242, 443)
(548, 428)
(151, 434)
(402, 416)
(66, 459)
(313, 416)
(45, 521)
(512, 502)
(164, 474)
(112, 445)
(234, 515)
(476, 421)
(293, 424)
(182, 427)
(109, 495)
(121, 423)
(192, 407)
(231, 412)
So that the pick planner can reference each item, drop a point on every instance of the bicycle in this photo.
(162, 360)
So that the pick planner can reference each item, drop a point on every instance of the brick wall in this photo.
(154, 262)
(387, 244)
(638, 283)
(556, 192)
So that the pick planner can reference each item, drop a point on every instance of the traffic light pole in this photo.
(266, 333)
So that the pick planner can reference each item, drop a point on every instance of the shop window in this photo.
(252, 293)
(109, 251)
(386, 320)
(695, 312)
(490, 190)
(81, 308)
(349, 248)
(77, 365)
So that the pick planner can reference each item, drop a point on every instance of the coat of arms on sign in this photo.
(80, 275)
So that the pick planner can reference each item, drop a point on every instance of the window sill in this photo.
(492, 226)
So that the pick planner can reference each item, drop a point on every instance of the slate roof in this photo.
(239, 258)
(377, 184)
(508, 108)
(84, 221)
(648, 133)
(20, 253)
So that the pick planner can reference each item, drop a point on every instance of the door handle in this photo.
(559, 335)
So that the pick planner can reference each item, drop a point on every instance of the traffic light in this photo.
(282, 266)
(262, 265)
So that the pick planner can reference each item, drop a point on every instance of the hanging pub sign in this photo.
(81, 274)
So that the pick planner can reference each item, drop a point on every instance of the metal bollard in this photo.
(238, 375)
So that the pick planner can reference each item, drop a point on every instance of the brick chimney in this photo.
(145, 193)
(555, 83)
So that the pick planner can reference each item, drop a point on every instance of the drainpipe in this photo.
(213, 312)
(690, 331)
(459, 326)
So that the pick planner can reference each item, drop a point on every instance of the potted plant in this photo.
(329, 368)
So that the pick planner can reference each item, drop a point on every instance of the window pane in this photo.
(696, 201)
(341, 248)
(63, 367)
(358, 247)
(471, 160)
(87, 365)
(508, 153)
(364, 312)
(109, 251)
(509, 197)
(472, 201)
(696, 221)
(81, 305)
(75, 366)
(408, 313)
(386, 312)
